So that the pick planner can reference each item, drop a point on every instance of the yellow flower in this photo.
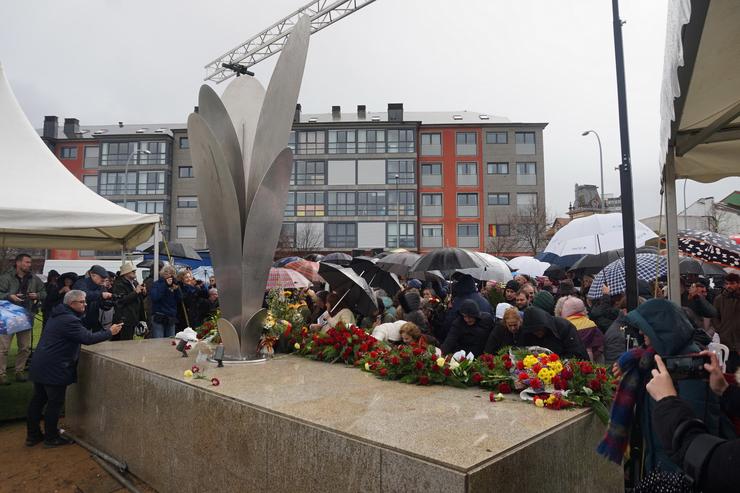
(546, 375)
(367, 366)
(551, 400)
(542, 355)
(530, 361)
(440, 361)
(555, 366)
(188, 373)
(297, 346)
(539, 403)
(498, 397)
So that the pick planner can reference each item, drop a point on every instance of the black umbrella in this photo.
(448, 260)
(338, 258)
(364, 267)
(592, 264)
(709, 246)
(176, 250)
(398, 263)
(387, 281)
(355, 293)
(555, 272)
(688, 265)
(314, 257)
(479, 274)
(430, 275)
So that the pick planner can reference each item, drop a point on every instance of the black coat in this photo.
(129, 307)
(470, 338)
(501, 337)
(560, 337)
(94, 299)
(721, 473)
(54, 361)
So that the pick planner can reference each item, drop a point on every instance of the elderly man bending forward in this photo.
(54, 366)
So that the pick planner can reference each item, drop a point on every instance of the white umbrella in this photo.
(528, 265)
(595, 234)
(495, 269)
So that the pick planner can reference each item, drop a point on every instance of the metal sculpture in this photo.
(242, 172)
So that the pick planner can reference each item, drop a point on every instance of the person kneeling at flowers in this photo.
(330, 318)
(574, 311)
(506, 332)
(469, 331)
(539, 328)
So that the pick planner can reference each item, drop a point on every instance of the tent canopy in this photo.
(701, 89)
(43, 205)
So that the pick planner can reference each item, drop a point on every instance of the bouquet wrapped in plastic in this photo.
(13, 318)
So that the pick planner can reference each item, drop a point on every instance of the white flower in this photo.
(453, 364)
(459, 356)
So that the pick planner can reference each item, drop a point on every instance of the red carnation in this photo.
(536, 368)
(554, 357)
(419, 365)
(557, 382)
(364, 347)
(477, 377)
(506, 356)
(405, 354)
(174, 343)
(337, 346)
(519, 365)
(395, 360)
(448, 372)
(535, 383)
(585, 367)
(507, 364)
(417, 351)
(492, 397)
(195, 369)
(504, 388)
(187, 347)
(523, 376)
(373, 354)
(595, 384)
(423, 380)
(215, 382)
(383, 372)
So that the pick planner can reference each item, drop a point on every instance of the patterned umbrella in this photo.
(338, 258)
(309, 270)
(710, 247)
(285, 260)
(286, 279)
(649, 267)
(398, 263)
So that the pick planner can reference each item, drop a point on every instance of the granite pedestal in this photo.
(295, 425)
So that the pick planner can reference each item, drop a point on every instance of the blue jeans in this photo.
(163, 330)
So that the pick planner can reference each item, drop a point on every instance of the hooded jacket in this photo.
(727, 320)
(465, 289)
(560, 335)
(54, 361)
(471, 338)
(94, 299)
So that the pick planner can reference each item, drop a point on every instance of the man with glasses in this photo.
(54, 366)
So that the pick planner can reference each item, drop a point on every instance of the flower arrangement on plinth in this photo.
(419, 363)
(283, 317)
(208, 330)
(340, 343)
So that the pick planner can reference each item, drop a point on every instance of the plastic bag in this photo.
(13, 318)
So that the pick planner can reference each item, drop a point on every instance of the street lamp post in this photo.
(125, 174)
(601, 167)
(398, 214)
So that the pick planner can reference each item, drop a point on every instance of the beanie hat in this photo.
(513, 285)
(410, 301)
(413, 283)
(573, 305)
(501, 308)
(544, 300)
(566, 288)
(470, 308)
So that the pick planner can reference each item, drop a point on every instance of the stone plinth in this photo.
(297, 425)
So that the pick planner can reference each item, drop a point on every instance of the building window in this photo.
(185, 171)
(310, 204)
(341, 203)
(431, 144)
(340, 235)
(311, 142)
(431, 235)
(526, 203)
(467, 235)
(497, 138)
(289, 210)
(371, 141)
(114, 183)
(342, 142)
(184, 143)
(407, 236)
(92, 153)
(69, 153)
(525, 143)
(526, 173)
(466, 144)
(157, 153)
(467, 174)
(187, 202)
(287, 236)
(91, 182)
(150, 206)
(371, 204)
(431, 204)
(401, 141)
(118, 153)
(403, 169)
(498, 199)
(309, 173)
(151, 183)
(187, 232)
(467, 205)
(406, 206)
(431, 175)
(497, 168)
(499, 230)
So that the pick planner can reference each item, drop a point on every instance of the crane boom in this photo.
(270, 41)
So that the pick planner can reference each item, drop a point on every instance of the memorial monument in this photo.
(238, 146)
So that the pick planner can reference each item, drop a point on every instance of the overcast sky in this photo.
(529, 60)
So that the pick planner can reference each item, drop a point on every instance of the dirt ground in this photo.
(62, 469)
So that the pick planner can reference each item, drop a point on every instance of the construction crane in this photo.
(270, 41)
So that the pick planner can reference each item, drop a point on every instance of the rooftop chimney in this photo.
(395, 112)
(297, 114)
(120, 124)
(361, 113)
(71, 127)
(336, 112)
(50, 127)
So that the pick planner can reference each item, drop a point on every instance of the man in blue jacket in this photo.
(92, 286)
(54, 366)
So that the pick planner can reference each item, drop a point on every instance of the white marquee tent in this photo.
(700, 103)
(43, 205)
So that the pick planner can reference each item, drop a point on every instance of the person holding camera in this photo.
(129, 307)
(708, 460)
(92, 286)
(165, 296)
(54, 366)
